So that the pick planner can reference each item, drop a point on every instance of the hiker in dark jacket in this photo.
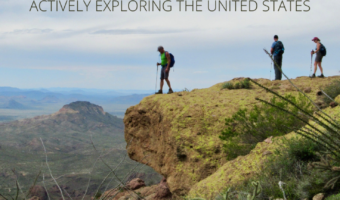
(165, 71)
(318, 58)
(277, 50)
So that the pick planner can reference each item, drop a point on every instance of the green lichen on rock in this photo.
(192, 122)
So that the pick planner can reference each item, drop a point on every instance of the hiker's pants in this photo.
(278, 74)
(164, 74)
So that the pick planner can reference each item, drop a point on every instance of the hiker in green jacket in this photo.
(165, 71)
(319, 56)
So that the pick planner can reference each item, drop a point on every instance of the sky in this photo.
(118, 50)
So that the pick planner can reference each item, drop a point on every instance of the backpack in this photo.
(279, 48)
(323, 50)
(172, 60)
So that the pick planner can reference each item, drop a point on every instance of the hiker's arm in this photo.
(169, 60)
(317, 48)
(272, 51)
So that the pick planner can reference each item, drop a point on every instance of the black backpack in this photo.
(279, 48)
(323, 50)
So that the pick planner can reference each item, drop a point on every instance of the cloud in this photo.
(140, 31)
(30, 31)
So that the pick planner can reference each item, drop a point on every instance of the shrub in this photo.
(333, 197)
(228, 85)
(290, 165)
(246, 128)
(318, 176)
(244, 84)
(332, 90)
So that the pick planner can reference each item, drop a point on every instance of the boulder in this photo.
(333, 104)
(163, 190)
(308, 90)
(135, 184)
(320, 196)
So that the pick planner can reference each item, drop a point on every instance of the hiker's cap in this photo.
(315, 38)
(159, 48)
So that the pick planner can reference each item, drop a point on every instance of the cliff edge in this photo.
(178, 134)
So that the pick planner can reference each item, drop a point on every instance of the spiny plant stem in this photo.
(336, 147)
(48, 196)
(113, 172)
(48, 166)
(3, 196)
(293, 104)
(110, 173)
(34, 183)
(311, 137)
(324, 93)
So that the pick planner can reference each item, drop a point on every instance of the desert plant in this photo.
(332, 90)
(286, 166)
(333, 197)
(246, 128)
(245, 83)
(228, 85)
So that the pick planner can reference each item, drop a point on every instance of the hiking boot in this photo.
(159, 92)
(321, 76)
(313, 76)
(170, 91)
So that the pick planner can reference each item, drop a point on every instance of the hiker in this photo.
(277, 50)
(320, 52)
(166, 64)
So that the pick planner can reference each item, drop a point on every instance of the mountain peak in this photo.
(83, 107)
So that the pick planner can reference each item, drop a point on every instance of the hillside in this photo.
(179, 133)
(12, 104)
(67, 135)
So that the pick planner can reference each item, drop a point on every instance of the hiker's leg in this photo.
(168, 82)
(162, 78)
(166, 77)
(162, 83)
(280, 64)
(277, 71)
(315, 67)
(319, 64)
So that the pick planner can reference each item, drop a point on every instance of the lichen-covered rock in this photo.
(135, 184)
(178, 135)
(162, 190)
(155, 192)
(233, 173)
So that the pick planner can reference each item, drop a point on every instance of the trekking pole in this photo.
(271, 64)
(156, 79)
(311, 64)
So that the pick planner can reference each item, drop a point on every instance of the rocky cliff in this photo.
(177, 134)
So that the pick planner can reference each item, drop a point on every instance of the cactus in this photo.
(257, 190)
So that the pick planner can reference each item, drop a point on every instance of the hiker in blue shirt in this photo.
(277, 50)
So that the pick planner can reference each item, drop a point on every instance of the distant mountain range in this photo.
(20, 99)
(68, 136)
(12, 104)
